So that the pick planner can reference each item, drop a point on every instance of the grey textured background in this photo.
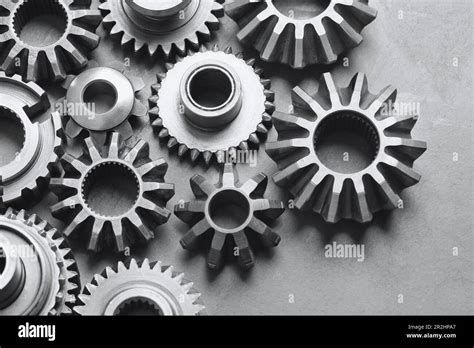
(408, 251)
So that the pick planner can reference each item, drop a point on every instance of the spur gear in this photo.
(301, 33)
(211, 102)
(86, 201)
(215, 204)
(331, 193)
(139, 288)
(72, 20)
(166, 27)
(25, 167)
(83, 109)
(39, 274)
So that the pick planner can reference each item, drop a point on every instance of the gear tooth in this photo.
(183, 149)
(172, 142)
(207, 155)
(228, 50)
(146, 264)
(161, 77)
(158, 123)
(240, 55)
(158, 266)
(169, 66)
(254, 139)
(121, 267)
(164, 133)
(194, 155)
(109, 272)
(133, 265)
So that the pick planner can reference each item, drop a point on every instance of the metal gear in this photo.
(98, 83)
(201, 107)
(229, 197)
(51, 59)
(39, 274)
(140, 287)
(298, 33)
(27, 171)
(134, 215)
(330, 193)
(167, 27)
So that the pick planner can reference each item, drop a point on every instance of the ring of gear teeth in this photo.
(58, 249)
(190, 41)
(147, 212)
(335, 195)
(54, 61)
(301, 42)
(248, 140)
(96, 295)
(194, 213)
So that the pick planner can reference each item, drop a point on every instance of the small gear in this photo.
(166, 27)
(139, 288)
(331, 193)
(216, 203)
(39, 274)
(211, 102)
(26, 170)
(86, 202)
(56, 55)
(301, 34)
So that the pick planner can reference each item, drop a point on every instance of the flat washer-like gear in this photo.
(55, 57)
(333, 194)
(139, 288)
(109, 222)
(228, 196)
(164, 27)
(296, 33)
(211, 102)
(40, 275)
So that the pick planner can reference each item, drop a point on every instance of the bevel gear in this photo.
(24, 174)
(297, 34)
(229, 197)
(140, 287)
(330, 193)
(39, 274)
(138, 176)
(211, 102)
(166, 27)
(55, 58)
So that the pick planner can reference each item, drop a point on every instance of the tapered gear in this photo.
(139, 288)
(53, 58)
(211, 102)
(163, 27)
(134, 214)
(243, 202)
(330, 193)
(301, 33)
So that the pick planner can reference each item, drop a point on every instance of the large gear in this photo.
(211, 102)
(139, 288)
(167, 27)
(301, 33)
(57, 55)
(228, 197)
(139, 208)
(26, 171)
(333, 194)
(39, 274)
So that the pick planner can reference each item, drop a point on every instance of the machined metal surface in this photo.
(301, 33)
(60, 50)
(139, 288)
(85, 201)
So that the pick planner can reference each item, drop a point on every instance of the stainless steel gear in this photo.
(166, 27)
(211, 102)
(139, 288)
(333, 194)
(55, 52)
(301, 33)
(38, 275)
(231, 213)
(90, 202)
(26, 166)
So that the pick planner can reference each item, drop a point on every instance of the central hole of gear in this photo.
(12, 136)
(138, 307)
(229, 209)
(346, 142)
(301, 9)
(40, 23)
(210, 88)
(100, 97)
(110, 189)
